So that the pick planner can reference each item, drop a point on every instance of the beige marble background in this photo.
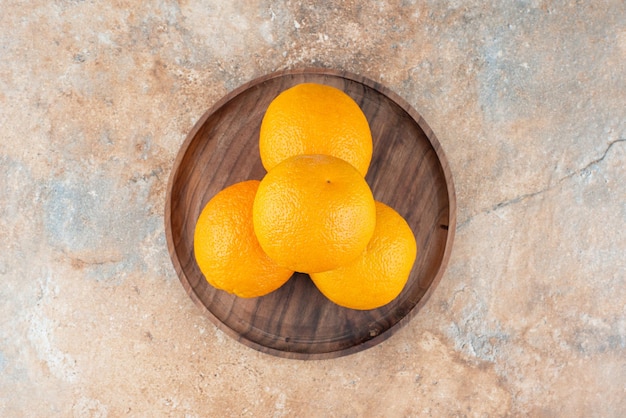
(528, 99)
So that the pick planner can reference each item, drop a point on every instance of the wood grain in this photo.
(409, 172)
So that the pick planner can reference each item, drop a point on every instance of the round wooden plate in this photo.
(408, 171)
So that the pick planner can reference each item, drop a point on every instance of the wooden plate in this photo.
(409, 172)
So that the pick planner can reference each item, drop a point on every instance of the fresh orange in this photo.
(378, 276)
(314, 118)
(313, 213)
(226, 248)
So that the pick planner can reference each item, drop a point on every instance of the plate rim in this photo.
(441, 157)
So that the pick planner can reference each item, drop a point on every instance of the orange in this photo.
(226, 248)
(315, 119)
(313, 213)
(378, 276)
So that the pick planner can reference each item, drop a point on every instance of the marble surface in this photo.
(528, 100)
